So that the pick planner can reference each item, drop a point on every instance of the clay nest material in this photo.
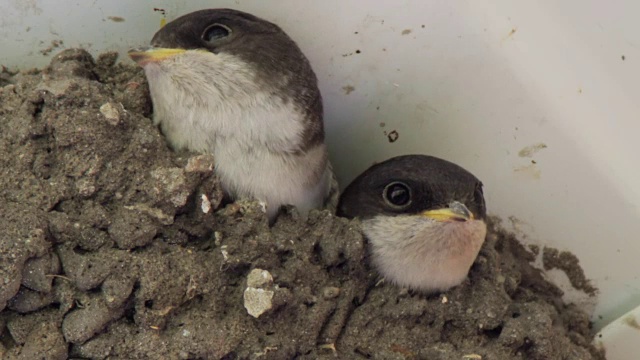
(114, 247)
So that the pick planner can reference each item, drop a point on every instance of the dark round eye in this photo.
(397, 194)
(215, 32)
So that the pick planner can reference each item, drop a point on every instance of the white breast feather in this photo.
(210, 103)
(421, 253)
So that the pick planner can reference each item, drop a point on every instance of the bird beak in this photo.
(455, 212)
(151, 54)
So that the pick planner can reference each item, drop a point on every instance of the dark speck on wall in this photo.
(624, 58)
(349, 54)
(54, 45)
(160, 10)
(348, 89)
(393, 136)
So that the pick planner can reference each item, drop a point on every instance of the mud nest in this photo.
(114, 247)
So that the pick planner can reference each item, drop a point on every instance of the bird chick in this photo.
(236, 86)
(424, 218)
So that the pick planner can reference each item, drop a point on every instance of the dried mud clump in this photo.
(114, 247)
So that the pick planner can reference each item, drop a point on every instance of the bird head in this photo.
(423, 216)
(227, 64)
(234, 50)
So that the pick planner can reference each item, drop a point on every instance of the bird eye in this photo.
(215, 32)
(397, 194)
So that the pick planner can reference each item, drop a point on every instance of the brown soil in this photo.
(114, 247)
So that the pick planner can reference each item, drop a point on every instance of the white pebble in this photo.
(206, 204)
(259, 278)
(111, 112)
(257, 301)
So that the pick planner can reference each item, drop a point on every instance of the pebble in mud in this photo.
(112, 112)
(330, 292)
(258, 301)
(258, 298)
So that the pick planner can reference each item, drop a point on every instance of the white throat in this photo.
(420, 253)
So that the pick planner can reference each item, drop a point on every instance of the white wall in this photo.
(475, 82)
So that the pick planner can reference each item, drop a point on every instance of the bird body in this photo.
(423, 218)
(236, 86)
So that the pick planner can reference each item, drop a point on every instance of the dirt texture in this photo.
(114, 247)
(570, 265)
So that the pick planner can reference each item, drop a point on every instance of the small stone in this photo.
(259, 278)
(171, 183)
(86, 187)
(257, 301)
(201, 163)
(224, 252)
(330, 292)
(206, 204)
(217, 235)
(112, 112)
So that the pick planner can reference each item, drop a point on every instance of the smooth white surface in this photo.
(475, 82)
(621, 337)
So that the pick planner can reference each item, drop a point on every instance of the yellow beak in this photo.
(455, 212)
(144, 56)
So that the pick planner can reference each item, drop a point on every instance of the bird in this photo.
(424, 219)
(230, 84)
